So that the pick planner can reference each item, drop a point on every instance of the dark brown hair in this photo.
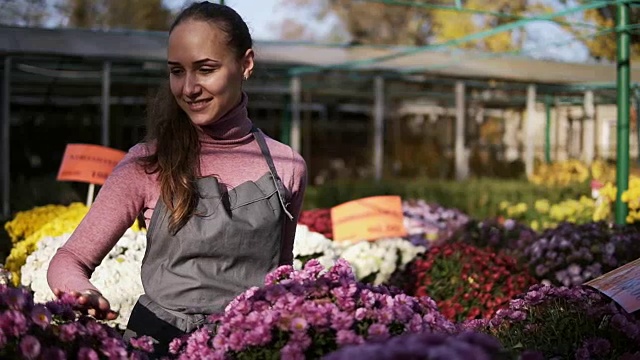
(176, 158)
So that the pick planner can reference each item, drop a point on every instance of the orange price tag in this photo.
(88, 163)
(622, 285)
(369, 218)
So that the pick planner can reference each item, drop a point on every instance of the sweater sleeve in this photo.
(115, 208)
(298, 186)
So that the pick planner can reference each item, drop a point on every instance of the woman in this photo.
(220, 199)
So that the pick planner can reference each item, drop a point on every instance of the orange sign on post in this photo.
(622, 285)
(369, 218)
(88, 163)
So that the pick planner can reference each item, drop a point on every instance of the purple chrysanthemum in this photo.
(311, 305)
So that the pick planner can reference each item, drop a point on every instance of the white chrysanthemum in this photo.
(407, 251)
(380, 258)
(362, 257)
(34, 271)
(117, 277)
(310, 244)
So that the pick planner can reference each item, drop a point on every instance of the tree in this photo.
(449, 25)
(291, 29)
(23, 12)
(110, 14)
(82, 13)
(368, 22)
(604, 47)
(371, 23)
(140, 14)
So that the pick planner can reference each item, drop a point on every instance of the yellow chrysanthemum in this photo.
(27, 222)
(64, 223)
(535, 225)
(565, 173)
(542, 206)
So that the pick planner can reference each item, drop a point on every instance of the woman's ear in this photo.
(247, 63)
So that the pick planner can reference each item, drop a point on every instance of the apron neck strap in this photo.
(257, 134)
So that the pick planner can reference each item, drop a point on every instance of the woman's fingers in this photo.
(113, 315)
(100, 308)
(103, 315)
(103, 304)
(91, 303)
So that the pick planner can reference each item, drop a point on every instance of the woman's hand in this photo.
(91, 302)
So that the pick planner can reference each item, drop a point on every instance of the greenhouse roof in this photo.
(148, 46)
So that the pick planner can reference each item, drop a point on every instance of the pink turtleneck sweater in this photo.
(229, 151)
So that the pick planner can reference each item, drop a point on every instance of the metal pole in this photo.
(530, 137)
(547, 130)
(462, 164)
(378, 127)
(588, 127)
(296, 88)
(561, 132)
(106, 101)
(285, 127)
(306, 130)
(6, 128)
(623, 81)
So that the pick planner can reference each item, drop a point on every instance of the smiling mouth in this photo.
(198, 105)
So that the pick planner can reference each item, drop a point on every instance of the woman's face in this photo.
(205, 74)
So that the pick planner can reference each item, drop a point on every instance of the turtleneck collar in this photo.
(232, 129)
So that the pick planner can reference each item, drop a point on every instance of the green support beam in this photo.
(624, 86)
(547, 129)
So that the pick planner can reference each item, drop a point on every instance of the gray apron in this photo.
(231, 243)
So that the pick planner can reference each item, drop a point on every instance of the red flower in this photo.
(473, 313)
(467, 282)
(318, 220)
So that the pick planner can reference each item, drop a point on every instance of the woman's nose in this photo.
(192, 87)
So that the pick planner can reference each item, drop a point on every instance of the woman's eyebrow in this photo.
(197, 62)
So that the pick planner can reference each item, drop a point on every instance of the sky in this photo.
(263, 17)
